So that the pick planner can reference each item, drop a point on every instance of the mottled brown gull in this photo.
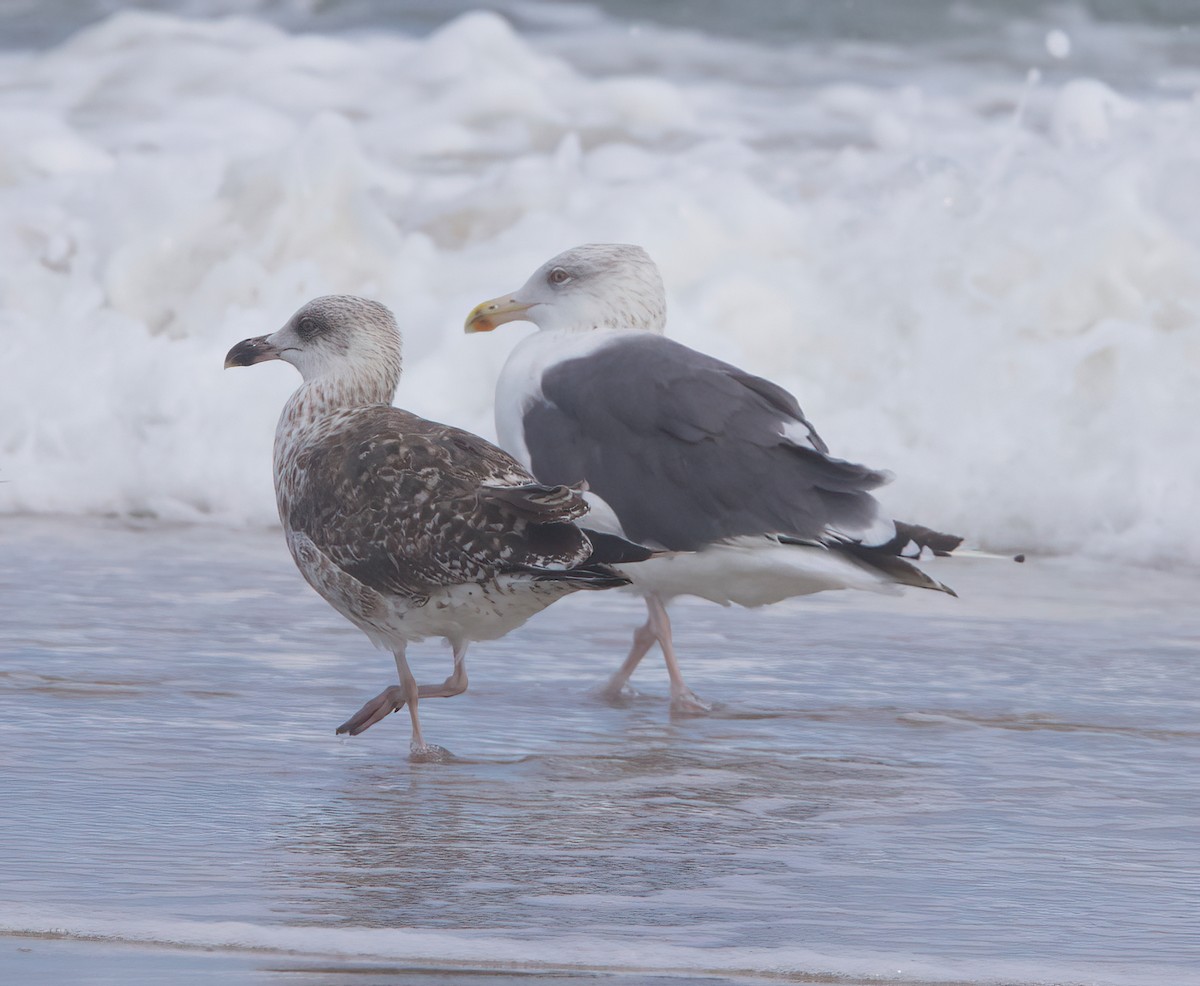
(684, 452)
(408, 528)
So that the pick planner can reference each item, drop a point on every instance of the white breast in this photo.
(520, 383)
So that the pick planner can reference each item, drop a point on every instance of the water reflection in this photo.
(855, 792)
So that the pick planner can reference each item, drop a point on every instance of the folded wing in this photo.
(688, 450)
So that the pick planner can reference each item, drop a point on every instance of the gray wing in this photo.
(406, 505)
(688, 450)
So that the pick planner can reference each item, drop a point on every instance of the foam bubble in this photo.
(1058, 43)
(495, 949)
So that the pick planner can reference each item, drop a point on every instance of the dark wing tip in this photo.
(612, 549)
(887, 562)
(589, 576)
(924, 537)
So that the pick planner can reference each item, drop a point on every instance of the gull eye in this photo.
(307, 327)
(559, 276)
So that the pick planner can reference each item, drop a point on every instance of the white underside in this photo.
(752, 571)
(460, 613)
(520, 382)
(472, 611)
(749, 571)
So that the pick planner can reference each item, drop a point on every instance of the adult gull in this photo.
(409, 528)
(684, 452)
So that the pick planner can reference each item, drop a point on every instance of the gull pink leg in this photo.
(456, 684)
(412, 692)
(395, 697)
(683, 699)
(643, 639)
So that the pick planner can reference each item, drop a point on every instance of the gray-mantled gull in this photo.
(409, 528)
(684, 452)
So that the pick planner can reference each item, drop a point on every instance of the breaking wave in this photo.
(983, 279)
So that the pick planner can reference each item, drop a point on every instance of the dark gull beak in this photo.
(251, 351)
(488, 314)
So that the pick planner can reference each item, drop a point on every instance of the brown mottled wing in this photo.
(407, 505)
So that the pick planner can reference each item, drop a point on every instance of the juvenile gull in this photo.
(409, 528)
(684, 452)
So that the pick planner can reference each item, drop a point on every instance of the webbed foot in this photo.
(381, 706)
(619, 696)
(686, 702)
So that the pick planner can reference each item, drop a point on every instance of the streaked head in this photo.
(598, 285)
(332, 337)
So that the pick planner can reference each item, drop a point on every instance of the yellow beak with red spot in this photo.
(488, 314)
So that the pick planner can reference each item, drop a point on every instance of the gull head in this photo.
(337, 337)
(595, 286)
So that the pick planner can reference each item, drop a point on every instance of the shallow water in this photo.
(999, 787)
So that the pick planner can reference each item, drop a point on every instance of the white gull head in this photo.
(348, 346)
(595, 286)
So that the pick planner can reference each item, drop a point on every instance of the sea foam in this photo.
(985, 282)
(492, 949)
